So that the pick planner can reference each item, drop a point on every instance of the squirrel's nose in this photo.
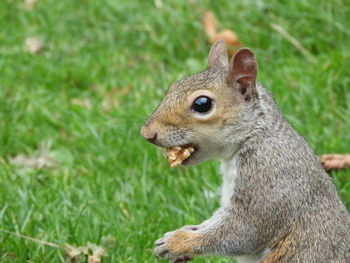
(149, 134)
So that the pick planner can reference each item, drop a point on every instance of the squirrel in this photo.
(277, 202)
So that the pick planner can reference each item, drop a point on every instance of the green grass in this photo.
(109, 181)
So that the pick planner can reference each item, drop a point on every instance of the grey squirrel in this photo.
(277, 202)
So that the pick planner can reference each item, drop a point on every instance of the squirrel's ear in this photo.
(242, 71)
(218, 58)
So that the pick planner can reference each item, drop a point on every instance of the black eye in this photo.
(202, 104)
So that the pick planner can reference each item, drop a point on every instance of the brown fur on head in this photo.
(230, 87)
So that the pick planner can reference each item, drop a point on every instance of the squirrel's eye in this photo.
(202, 104)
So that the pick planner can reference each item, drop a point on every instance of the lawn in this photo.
(80, 102)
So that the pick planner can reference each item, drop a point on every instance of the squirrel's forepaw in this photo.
(170, 247)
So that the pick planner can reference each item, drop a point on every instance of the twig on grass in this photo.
(335, 161)
(293, 41)
(31, 239)
(91, 251)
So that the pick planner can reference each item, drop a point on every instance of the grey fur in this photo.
(282, 200)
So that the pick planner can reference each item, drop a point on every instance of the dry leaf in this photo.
(35, 161)
(73, 252)
(29, 4)
(210, 26)
(97, 253)
(210, 23)
(93, 252)
(94, 259)
(229, 36)
(34, 44)
(81, 102)
(335, 161)
(44, 158)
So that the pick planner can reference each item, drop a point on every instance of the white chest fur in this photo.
(230, 172)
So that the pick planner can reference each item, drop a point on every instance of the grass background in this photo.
(109, 181)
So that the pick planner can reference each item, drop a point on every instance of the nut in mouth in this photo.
(178, 154)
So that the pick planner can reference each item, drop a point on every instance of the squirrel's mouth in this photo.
(178, 155)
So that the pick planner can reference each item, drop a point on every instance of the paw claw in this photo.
(168, 234)
(160, 241)
(161, 252)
